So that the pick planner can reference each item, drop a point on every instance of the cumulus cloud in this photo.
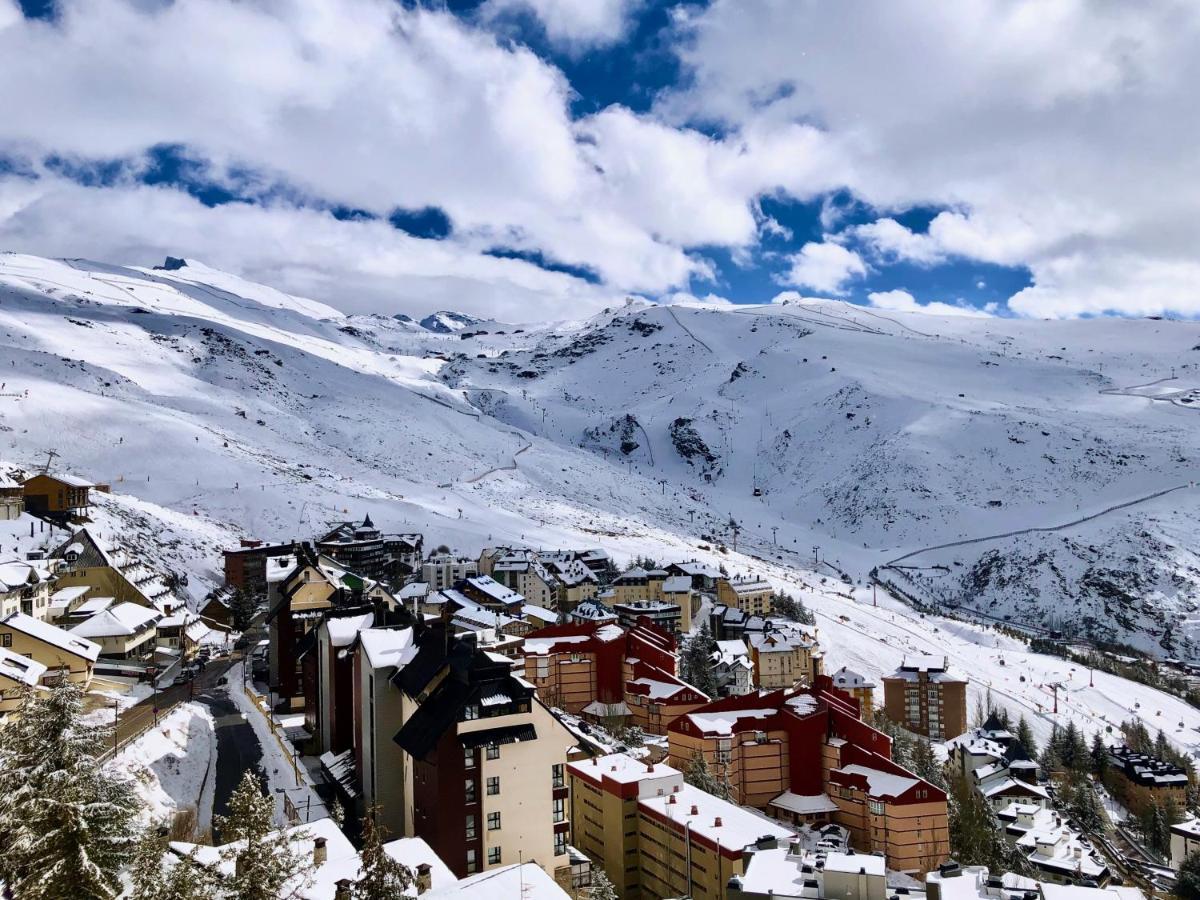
(903, 301)
(355, 266)
(825, 267)
(573, 24)
(1055, 136)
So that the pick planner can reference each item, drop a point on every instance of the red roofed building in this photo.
(609, 673)
(806, 756)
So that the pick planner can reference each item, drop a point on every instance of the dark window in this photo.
(493, 856)
(493, 751)
(470, 827)
(469, 791)
(557, 776)
(493, 785)
(493, 821)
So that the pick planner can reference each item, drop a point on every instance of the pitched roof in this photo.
(20, 668)
(52, 635)
(122, 619)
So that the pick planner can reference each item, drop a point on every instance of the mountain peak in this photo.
(447, 321)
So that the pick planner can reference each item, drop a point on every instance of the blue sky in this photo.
(549, 157)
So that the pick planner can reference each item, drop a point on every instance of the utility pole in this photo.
(874, 594)
(774, 528)
(816, 555)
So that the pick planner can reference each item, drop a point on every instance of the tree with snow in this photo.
(1026, 738)
(1187, 880)
(156, 876)
(1099, 754)
(263, 860)
(697, 661)
(602, 888)
(976, 838)
(382, 877)
(65, 822)
(1083, 806)
(925, 764)
(701, 777)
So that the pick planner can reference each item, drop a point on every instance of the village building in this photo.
(807, 757)
(26, 587)
(1056, 852)
(246, 567)
(329, 708)
(123, 630)
(18, 674)
(443, 570)
(577, 582)
(610, 674)
(592, 611)
(657, 836)
(111, 570)
(1142, 781)
(637, 585)
(729, 622)
(53, 647)
(662, 614)
(216, 609)
(523, 572)
(487, 759)
(779, 870)
(1185, 840)
(998, 765)
(732, 669)
(365, 549)
(58, 497)
(783, 659)
(856, 685)
(954, 882)
(927, 698)
(677, 589)
(12, 499)
(703, 577)
(65, 601)
(751, 595)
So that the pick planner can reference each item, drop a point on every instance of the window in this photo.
(469, 791)
(493, 751)
(470, 827)
(468, 758)
(557, 775)
(5, 640)
(472, 863)
(560, 843)
(493, 856)
(470, 711)
(876, 807)
(560, 809)
(493, 785)
(493, 821)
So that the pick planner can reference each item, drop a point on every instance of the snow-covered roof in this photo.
(853, 863)
(727, 824)
(16, 574)
(20, 669)
(847, 678)
(804, 804)
(659, 690)
(64, 640)
(343, 631)
(1189, 826)
(414, 852)
(1006, 784)
(414, 590)
(529, 881)
(73, 481)
(749, 585)
(723, 722)
(68, 595)
(533, 611)
(879, 783)
(677, 584)
(494, 589)
(94, 605)
(121, 620)
(391, 647)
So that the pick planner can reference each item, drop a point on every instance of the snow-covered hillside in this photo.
(217, 408)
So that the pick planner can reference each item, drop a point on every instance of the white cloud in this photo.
(903, 301)
(574, 24)
(359, 266)
(1050, 132)
(825, 267)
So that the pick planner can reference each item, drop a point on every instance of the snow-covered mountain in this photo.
(448, 322)
(649, 429)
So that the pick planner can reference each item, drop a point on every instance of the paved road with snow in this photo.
(238, 747)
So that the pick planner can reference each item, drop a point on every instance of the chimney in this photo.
(320, 854)
(424, 878)
(341, 890)
(717, 822)
(650, 768)
(695, 810)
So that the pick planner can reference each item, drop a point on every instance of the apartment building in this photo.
(487, 759)
(656, 836)
(110, 569)
(12, 498)
(365, 549)
(523, 572)
(246, 566)
(443, 570)
(807, 757)
(857, 686)
(123, 630)
(17, 675)
(26, 587)
(782, 659)
(927, 698)
(53, 647)
(1185, 840)
(637, 585)
(666, 616)
(750, 595)
(1141, 781)
(609, 673)
(787, 872)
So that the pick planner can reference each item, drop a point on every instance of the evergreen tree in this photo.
(1187, 880)
(65, 822)
(701, 777)
(602, 888)
(697, 661)
(926, 765)
(242, 609)
(151, 878)
(263, 860)
(1083, 806)
(976, 838)
(1162, 749)
(1025, 737)
(1099, 756)
(382, 878)
(788, 607)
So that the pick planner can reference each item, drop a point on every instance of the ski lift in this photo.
(758, 492)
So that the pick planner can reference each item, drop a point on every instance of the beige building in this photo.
(790, 873)
(927, 698)
(123, 630)
(110, 570)
(751, 595)
(677, 589)
(638, 585)
(50, 646)
(857, 686)
(784, 659)
(25, 587)
(1185, 840)
(17, 675)
(656, 836)
(12, 499)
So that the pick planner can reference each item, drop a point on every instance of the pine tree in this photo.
(65, 822)
(602, 888)
(152, 878)
(697, 661)
(701, 777)
(1187, 880)
(1025, 737)
(263, 860)
(1083, 806)
(242, 609)
(926, 765)
(382, 878)
(1099, 756)
(975, 835)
